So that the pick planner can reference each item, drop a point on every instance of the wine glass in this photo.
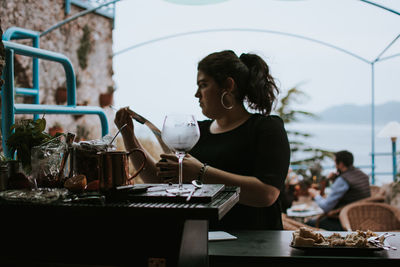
(180, 132)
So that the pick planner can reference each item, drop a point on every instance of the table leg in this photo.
(194, 244)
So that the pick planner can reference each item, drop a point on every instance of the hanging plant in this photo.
(84, 48)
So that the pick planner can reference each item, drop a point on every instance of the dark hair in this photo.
(251, 74)
(345, 157)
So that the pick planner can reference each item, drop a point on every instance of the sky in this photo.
(157, 78)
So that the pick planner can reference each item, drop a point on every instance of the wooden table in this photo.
(112, 234)
(271, 248)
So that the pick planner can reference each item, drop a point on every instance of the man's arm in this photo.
(339, 188)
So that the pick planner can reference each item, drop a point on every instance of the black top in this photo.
(260, 148)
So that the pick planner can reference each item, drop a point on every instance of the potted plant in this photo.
(57, 128)
(61, 95)
(27, 134)
(106, 99)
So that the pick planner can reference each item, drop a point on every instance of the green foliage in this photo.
(28, 133)
(290, 115)
(285, 110)
(84, 48)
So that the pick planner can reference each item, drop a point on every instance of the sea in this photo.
(355, 138)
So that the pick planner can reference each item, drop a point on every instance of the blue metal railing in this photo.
(9, 108)
(107, 11)
(16, 33)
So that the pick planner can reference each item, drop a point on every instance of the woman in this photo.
(236, 147)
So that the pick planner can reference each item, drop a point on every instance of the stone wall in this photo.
(86, 41)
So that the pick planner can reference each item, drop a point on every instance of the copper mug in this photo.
(114, 168)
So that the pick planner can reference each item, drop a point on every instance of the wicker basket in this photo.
(370, 216)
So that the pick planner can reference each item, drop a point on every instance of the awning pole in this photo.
(372, 122)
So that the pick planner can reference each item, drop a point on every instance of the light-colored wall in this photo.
(92, 80)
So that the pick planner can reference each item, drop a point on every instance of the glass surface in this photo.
(180, 132)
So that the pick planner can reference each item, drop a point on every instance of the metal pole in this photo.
(67, 6)
(373, 123)
(298, 36)
(80, 14)
(380, 6)
(35, 70)
(7, 96)
(394, 158)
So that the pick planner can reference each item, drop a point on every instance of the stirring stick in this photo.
(115, 136)
(69, 141)
(151, 126)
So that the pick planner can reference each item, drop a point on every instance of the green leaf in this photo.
(41, 124)
(27, 134)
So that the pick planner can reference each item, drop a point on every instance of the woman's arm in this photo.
(148, 174)
(253, 192)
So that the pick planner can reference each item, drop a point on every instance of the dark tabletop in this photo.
(114, 233)
(257, 248)
(137, 206)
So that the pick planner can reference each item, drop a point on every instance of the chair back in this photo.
(370, 216)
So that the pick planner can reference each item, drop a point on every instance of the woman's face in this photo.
(209, 95)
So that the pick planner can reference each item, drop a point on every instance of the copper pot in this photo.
(114, 168)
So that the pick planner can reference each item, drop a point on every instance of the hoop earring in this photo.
(222, 101)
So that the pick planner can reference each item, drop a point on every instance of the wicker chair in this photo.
(370, 216)
(335, 213)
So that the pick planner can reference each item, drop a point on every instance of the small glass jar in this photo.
(16, 177)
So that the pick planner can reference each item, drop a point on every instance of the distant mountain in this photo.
(349, 113)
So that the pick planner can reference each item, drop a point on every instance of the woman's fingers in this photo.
(122, 117)
(170, 157)
(166, 165)
(167, 170)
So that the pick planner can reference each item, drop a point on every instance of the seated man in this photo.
(350, 184)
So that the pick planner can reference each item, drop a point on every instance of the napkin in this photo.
(220, 235)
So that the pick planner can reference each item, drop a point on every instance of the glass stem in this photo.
(180, 156)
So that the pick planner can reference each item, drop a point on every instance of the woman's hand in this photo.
(168, 168)
(123, 117)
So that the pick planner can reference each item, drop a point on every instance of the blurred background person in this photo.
(349, 184)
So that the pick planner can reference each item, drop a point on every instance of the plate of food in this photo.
(300, 208)
(307, 239)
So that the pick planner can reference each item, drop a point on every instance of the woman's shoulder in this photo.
(268, 120)
(267, 124)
